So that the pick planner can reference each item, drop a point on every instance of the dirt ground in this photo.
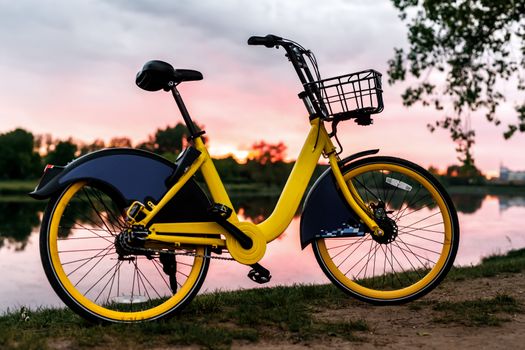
(409, 327)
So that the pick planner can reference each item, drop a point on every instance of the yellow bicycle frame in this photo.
(194, 233)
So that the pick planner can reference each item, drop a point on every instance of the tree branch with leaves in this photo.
(478, 47)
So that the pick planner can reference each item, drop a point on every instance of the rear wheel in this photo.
(103, 279)
(421, 234)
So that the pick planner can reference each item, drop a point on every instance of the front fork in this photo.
(353, 198)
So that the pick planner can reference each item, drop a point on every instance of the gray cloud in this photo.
(89, 50)
(59, 33)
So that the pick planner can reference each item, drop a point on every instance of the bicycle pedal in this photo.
(259, 274)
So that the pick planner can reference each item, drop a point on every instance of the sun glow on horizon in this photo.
(225, 151)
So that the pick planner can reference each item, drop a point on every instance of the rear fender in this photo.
(130, 175)
(325, 210)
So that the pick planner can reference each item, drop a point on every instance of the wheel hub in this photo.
(386, 224)
(130, 242)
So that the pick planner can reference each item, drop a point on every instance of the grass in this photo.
(280, 314)
(479, 312)
(211, 321)
(512, 262)
(472, 313)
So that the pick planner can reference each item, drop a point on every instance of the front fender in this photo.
(325, 209)
(130, 174)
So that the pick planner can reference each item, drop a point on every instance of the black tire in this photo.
(428, 255)
(69, 221)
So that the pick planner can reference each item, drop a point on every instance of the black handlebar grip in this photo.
(269, 40)
(257, 40)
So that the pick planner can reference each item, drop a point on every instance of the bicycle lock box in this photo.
(132, 175)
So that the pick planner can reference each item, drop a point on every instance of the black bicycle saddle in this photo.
(156, 75)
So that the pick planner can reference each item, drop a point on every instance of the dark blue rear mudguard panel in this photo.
(130, 174)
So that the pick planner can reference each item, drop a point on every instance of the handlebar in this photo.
(327, 99)
(269, 40)
(294, 52)
(296, 55)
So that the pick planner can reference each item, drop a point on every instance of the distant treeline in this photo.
(460, 175)
(23, 155)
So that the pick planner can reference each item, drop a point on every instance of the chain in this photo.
(172, 252)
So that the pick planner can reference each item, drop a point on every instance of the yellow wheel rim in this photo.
(430, 275)
(87, 303)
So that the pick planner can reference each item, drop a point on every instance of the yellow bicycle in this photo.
(127, 235)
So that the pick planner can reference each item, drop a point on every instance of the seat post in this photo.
(185, 114)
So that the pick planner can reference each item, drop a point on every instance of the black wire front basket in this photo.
(355, 95)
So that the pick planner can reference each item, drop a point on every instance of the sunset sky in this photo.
(67, 68)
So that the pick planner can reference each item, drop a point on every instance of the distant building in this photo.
(505, 174)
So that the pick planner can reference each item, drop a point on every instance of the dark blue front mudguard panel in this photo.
(130, 174)
(325, 209)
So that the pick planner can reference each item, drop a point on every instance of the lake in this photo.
(490, 224)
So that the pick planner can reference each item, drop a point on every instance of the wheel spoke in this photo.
(349, 255)
(423, 228)
(157, 265)
(100, 279)
(411, 203)
(93, 232)
(97, 212)
(425, 238)
(92, 267)
(106, 250)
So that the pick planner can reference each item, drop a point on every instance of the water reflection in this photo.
(506, 202)
(468, 203)
(17, 221)
(255, 209)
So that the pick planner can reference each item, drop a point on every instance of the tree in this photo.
(43, 143)
(96, 145)
(169, 140)
(264, 153)
(266, 163)
(64, 152)
(148, 145)
(120, 142)
(433, 170)
(464, 175)
(473, 44)
(229, 170)
(18, 160)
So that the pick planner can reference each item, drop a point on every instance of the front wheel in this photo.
(420, 241)
(94, 271)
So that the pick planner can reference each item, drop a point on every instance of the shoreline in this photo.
(20, 188)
